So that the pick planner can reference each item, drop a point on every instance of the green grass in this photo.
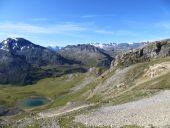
(58, 90)
(158, 83)
(67, 121)
(52, 88)
(132, 95)
(75, 96)
(143, 90)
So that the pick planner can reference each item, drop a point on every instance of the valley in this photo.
(130, 94)
(84, 63)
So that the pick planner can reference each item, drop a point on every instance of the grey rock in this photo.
(157, 49)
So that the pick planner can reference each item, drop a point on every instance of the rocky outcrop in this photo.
(157, 49)
(5, 111)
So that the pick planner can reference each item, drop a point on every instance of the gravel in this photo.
(153, 111)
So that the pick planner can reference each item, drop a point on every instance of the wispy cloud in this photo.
(69, 30)
(96, 15)
(47, 29)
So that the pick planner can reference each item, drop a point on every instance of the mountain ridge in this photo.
(30, 62)
(153, 50)
(88, 54)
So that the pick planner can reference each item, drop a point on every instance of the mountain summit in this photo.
(34, 54)
(88, 54)
(23, 62)
(16, 44)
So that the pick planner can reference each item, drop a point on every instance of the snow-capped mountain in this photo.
(23, 62)
(17, 45)
(114, 48)
(103, 45)
(118, 45)
(54, 48)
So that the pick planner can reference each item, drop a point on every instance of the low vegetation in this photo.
(52, 88)
(60, 94)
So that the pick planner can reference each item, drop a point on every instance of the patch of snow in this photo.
(15, 39)
(5, 42)
(22, 48)
(4, 48)
(103, 45)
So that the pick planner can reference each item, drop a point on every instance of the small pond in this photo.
(33, 102)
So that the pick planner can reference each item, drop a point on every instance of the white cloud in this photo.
(68, 29)
(48, 29)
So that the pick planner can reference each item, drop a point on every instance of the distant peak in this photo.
(13, 44)
(12, 39)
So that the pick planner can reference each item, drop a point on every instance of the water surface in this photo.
(33, 102)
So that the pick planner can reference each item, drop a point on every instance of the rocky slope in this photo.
(13, 69)
(23, 62)
(149, 112)
(34, 54)
(109, 93)
(157, 49)
(88, 55)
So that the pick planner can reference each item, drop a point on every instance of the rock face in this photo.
(4, 111)
(23, 62)
(157, 49)
(87, 54)
(13, 68)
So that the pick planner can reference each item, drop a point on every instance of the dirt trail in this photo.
(54, 113)
(146, 112)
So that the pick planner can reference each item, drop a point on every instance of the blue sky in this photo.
(63, 22)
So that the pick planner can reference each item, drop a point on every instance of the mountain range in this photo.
(154, 50)
(23, 62)
(130, 92)
(110, 48)
(89, 55)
